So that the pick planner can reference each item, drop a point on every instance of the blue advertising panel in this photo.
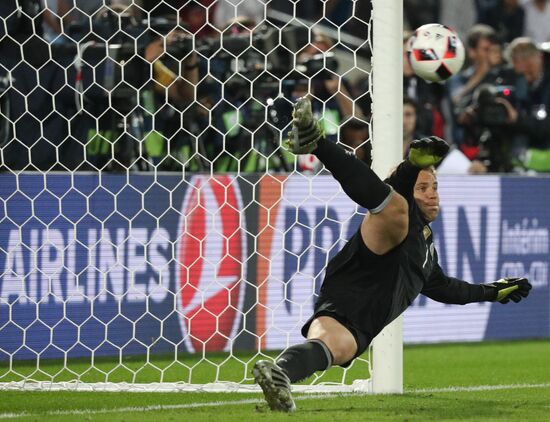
(116, 264)
(119, 265)
(86, 265)
(524, 252)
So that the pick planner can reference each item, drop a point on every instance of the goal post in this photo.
(387, 104)
(141, 255)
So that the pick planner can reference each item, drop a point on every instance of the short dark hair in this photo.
(481, 32)
(409, 101)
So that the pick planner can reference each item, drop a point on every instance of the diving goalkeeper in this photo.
(389, 261)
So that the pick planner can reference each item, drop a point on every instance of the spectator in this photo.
(38, 136)
(355, 134)
(459, 15)
(529, 119)
(179, 90)
(480, 131)
(241, 139)
(483, 7)
(125, 126)
(427, 96)
(482, 49)
(332, 98)
(228, 10)
(507, 18)
(174, 82)
(479, 41)
(52, 20)
(336, 103)
(537, 19)
(198, 16)
(79, 11)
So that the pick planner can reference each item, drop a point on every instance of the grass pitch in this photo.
(467, 382)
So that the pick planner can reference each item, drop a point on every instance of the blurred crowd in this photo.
(495, 110)
(208, 85)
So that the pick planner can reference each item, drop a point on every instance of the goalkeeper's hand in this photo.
(428, 151)
(511, 288)
(306, 130)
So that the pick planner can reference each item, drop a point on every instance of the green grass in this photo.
(431, 368)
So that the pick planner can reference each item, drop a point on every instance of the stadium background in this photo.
(122, 239)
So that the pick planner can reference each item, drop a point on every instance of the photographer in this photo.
(481, 43)
(427, 96)
(179, 89)
(127, 136)
(529, 119)
(248, 72)
(472, 133)
(331, 95)
(35, 123)
(332, 90)
(174, 84)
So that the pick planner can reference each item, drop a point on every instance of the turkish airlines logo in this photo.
(211, 256)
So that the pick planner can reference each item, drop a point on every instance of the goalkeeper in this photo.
(380, 271)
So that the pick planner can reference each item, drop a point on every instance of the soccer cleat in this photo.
(275, 385)
(306, 130)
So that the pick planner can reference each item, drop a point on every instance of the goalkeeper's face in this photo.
(426, 195)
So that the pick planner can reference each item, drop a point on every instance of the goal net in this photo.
(155, 234)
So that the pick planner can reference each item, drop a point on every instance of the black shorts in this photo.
(329, 309)
(358, 291)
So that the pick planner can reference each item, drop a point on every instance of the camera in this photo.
(266, 48)
(110, 64)
(490, 112)
(319, 66)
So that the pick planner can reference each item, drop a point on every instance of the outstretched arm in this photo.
(445, 289)
(358, 180)
(442, 288)
(387, 223)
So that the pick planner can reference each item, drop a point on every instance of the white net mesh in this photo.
(154, 233)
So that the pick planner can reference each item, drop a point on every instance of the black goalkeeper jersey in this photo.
(371, 290)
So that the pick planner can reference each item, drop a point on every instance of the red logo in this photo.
(211, 263)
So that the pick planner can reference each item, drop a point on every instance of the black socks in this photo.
(302, 360)
(357, 179)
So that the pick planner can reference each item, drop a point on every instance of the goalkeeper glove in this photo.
(428, 151)
(510, 288)
(306, 130)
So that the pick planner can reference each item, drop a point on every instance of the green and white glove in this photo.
(510, 288)
(428, 151)
(306, 130)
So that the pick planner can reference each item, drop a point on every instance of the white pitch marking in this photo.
(258, 401)
(477, 388)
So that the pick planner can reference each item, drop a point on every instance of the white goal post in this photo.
(148, 265)
(387, 95)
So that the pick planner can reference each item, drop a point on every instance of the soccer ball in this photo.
(435, 52)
